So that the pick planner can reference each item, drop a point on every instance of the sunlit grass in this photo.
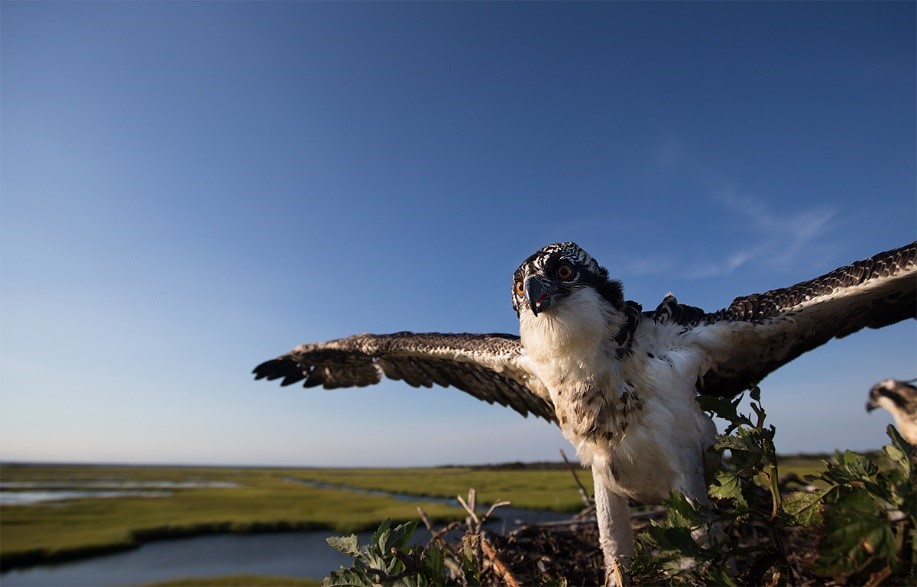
(263, 500)
(802, 465)
(528, 489)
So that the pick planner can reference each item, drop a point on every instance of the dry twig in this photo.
(498, 565)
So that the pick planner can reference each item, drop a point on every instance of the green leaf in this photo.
(346, 544)
(725, 409)
(345, 577)
(677, 539)
(732, 442)
(853, 544)
(897, 439)
(399, 537)
(434, 564)
(718, 575)
(748, 447)
(804, 509)
(899, 450)
(682, 512)
(856, 466)
(858, 537)
(728, 485)
(720, 407)
(470, 561)
(380, 536)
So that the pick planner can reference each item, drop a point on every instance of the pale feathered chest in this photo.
(599, 395)
(632, 409)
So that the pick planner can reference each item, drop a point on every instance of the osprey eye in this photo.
(519, 288)
(564, 272)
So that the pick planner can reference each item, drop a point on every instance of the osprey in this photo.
(899, 398)
(621, 383)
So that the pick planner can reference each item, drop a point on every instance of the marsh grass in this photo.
(552, 490)
(262, 500)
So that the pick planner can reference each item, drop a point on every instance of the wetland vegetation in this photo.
(175, 502)
(207, 500)
(202, 500)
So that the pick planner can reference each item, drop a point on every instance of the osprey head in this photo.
(900, 399)
(557, 271)
(892, 394)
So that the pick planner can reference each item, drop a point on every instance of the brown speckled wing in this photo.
(491, 367)
(768, 330)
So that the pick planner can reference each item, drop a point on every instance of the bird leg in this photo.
(616, 537)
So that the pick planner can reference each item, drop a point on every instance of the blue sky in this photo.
(187, 189)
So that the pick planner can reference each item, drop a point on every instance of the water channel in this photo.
(293, 554)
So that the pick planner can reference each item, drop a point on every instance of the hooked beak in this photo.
(873, 402)
(539, 293)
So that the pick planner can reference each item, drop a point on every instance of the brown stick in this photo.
(498, 565)
(425, 519)
(878, 577)
(617, 574)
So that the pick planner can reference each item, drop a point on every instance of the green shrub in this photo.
(862, 516)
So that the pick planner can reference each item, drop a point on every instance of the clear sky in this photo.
(187, 189)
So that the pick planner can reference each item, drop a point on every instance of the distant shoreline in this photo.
(508, 465)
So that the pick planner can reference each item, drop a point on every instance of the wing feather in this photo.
(490, 367)
(759, 333)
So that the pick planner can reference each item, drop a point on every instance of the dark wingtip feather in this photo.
(277, 368)
(292, 377)
(261, 371)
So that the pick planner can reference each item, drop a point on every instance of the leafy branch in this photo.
(387, 560)
(870, 514)
(862, 516)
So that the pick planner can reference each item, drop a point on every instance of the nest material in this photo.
(537, 554)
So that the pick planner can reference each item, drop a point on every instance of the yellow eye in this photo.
(564, 272)
(519, 288)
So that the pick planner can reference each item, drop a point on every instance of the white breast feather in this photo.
(568, 332)
(907, 424)
(662, 439)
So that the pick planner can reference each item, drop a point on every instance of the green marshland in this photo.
(161, 502)
(207, 500)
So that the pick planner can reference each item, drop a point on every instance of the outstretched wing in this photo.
(759, 333)
(491, 367)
